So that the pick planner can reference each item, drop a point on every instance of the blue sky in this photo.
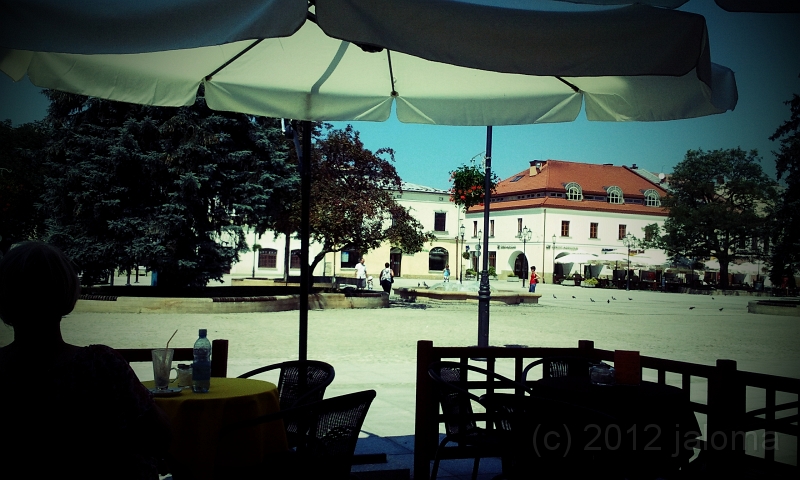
(762, 49)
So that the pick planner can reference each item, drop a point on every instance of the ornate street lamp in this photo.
(525, 235)
(461, 257)
(553, 280)
(627, 241)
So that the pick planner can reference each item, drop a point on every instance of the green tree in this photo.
(21, 182)
(168, 188)
(353, 204)
(717, 207)
(785, 255)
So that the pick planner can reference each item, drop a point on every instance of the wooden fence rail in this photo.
(727, 423)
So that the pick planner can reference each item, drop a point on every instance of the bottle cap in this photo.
(202, 332)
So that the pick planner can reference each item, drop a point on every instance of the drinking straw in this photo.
(170, 338)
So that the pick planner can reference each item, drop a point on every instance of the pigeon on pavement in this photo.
(592, 299)
(691, 308)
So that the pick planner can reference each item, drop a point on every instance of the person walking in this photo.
(387, 278)
(361, 274)
(446, 273)
(533, 281)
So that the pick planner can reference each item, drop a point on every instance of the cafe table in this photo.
(197, 418)
(643, 430)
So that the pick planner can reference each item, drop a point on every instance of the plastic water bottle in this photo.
(201, 368)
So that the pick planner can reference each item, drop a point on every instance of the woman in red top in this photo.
(534, 280)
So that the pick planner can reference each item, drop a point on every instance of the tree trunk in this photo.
(287, 252)
(723, 271)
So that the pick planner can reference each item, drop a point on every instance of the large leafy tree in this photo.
(168, 188)
(21, 182)
(785, 257)
(717, 206)
(353, 205)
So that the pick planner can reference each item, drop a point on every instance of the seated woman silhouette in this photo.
(77, 410)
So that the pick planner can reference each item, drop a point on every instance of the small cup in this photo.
(162, 366)
(184, 375)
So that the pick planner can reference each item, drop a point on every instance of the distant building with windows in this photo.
(431, 207)
(568, 207)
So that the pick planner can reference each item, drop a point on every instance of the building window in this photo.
(614, 195)
(437, 259)
(574, 191)
(267, 258)
(440, 222)
(294, 259)
(651, 198)
(493, 259)
(623, 230)
(519, 225)
(491, 228)
(564, 228)
(474, 229)
(349, 258)
(592, 230)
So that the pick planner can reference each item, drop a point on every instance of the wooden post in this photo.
(725, 435)
(426, 428)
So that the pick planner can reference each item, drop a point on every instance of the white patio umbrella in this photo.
(452, 62)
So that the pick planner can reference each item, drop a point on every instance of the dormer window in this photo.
(574, 191)
(651, 198)
(614, 195)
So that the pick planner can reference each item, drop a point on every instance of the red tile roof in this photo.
(554, 175)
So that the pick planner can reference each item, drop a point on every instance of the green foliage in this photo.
(590, 281)
(352, 198)
(492, 272)
(166, 188)
(469, 183)
(785, 227)
(717, 203)
(21, 182)
(471, 271)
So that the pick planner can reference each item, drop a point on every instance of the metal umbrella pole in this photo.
(484, 294)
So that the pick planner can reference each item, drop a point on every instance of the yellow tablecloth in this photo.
(198, 417)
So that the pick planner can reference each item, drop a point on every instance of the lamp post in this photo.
(627, 241)
(255, 253)
(461, 257)
(553, 280)
(525, 235)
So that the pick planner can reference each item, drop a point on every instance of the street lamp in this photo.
(553, 280)
(461, 261)
(461, 257)
(525, 235)
(627, 241)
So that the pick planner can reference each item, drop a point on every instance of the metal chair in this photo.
(326, 440)
(561, 366)
(460, 420)
(296, 388)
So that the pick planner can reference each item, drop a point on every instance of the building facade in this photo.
(431, 207)
(568, 207)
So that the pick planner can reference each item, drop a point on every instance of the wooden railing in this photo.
(727, 422)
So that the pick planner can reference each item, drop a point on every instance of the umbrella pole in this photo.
(305, 230)
(484, 294)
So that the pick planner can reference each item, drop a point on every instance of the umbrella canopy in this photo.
(438, 62)
(576, 258)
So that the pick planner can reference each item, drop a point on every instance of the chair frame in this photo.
(308, 416)
(219, 356)
(547, 366)
(467, 444)
(314, 394)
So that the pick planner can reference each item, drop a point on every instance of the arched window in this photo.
(294, 261)
(437, 259)
(614, 195)
(267, 258)
(574, 191)
(652, 198)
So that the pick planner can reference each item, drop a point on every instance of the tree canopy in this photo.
(21, 182)
(717, 203)
(167, 188)
(353, 205)
(785, 257)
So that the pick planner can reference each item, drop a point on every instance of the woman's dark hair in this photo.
(37, 281)
(387, 264)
